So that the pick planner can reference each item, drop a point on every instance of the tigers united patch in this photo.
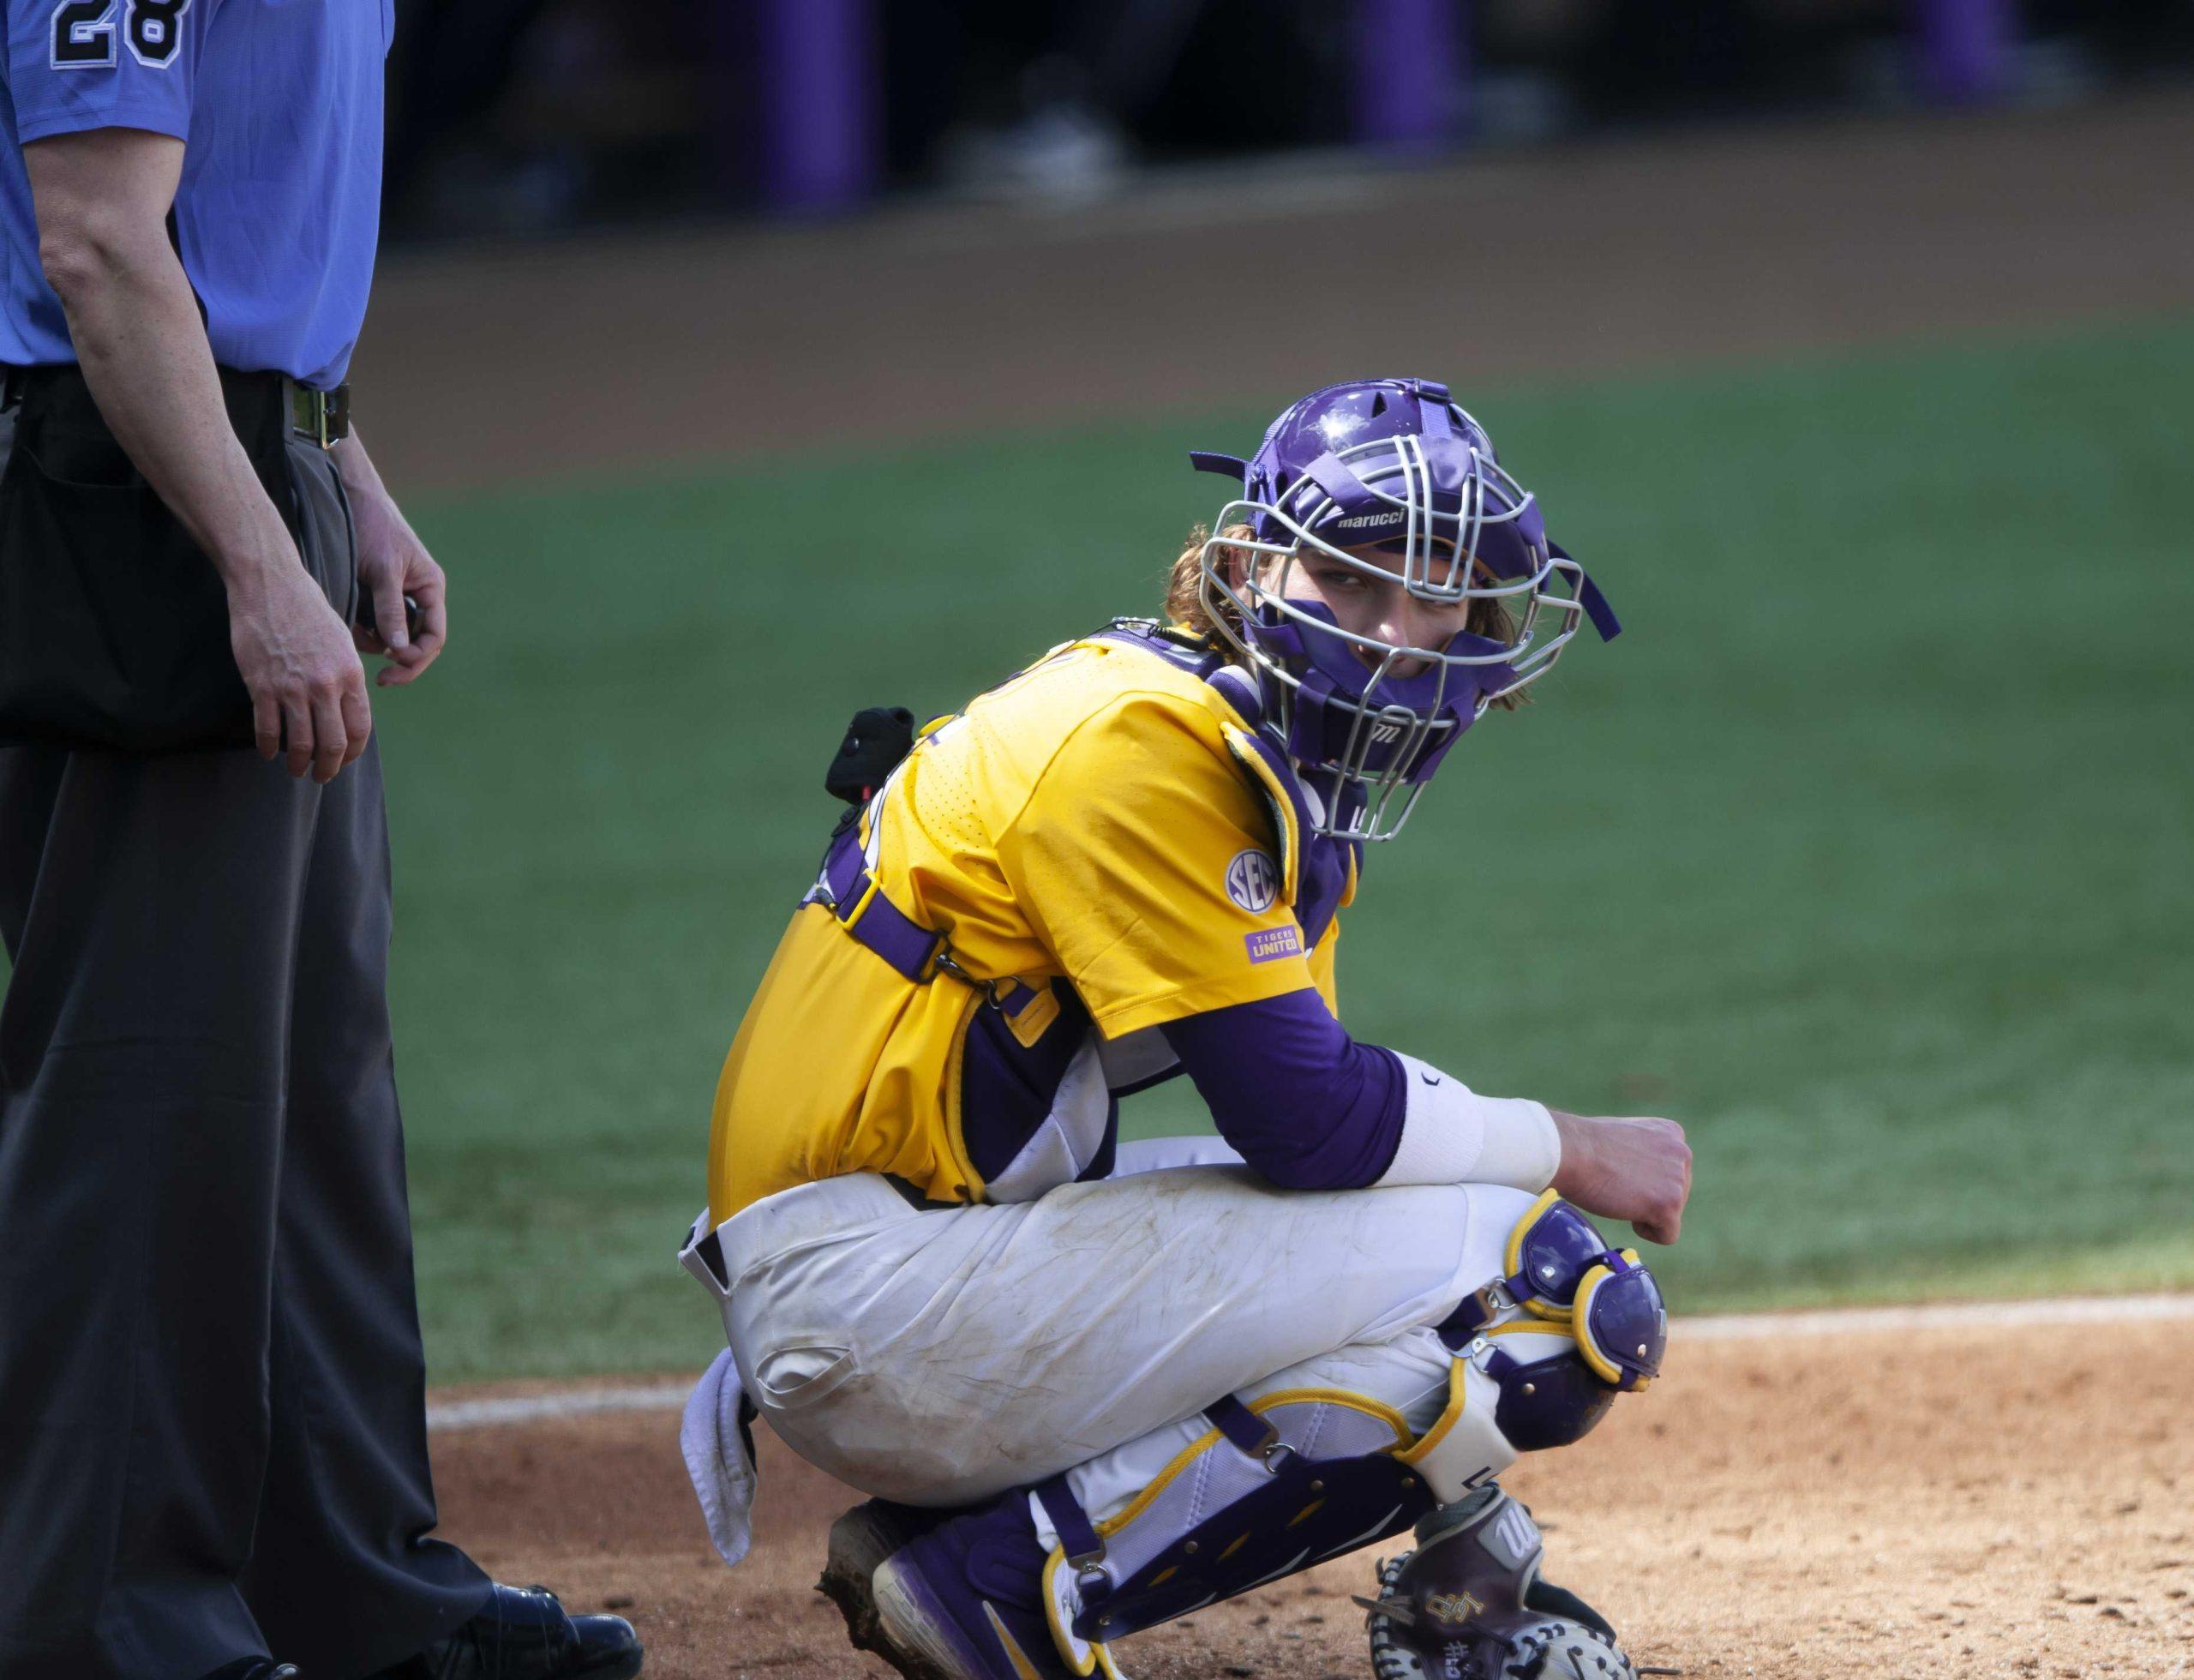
(1269, 945)
(1253, 880)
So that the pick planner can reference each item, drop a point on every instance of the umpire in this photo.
(213, 1441)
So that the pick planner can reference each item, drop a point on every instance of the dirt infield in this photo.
(1973, 1501)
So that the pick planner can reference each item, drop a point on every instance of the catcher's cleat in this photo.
(1468, 1604)
(960, 1598)
(860, 1540)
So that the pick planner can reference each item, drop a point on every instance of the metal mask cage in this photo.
(1360, 800)
(1401, 479)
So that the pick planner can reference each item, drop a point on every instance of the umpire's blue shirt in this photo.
(279, 105)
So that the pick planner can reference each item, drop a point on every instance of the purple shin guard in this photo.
(1311, 1510)
(1277, 1492)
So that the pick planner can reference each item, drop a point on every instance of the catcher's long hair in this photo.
(1185, 601)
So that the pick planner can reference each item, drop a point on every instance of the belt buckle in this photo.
(317, 416)
(308, 415)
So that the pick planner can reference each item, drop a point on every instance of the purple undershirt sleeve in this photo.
(1306, 1105)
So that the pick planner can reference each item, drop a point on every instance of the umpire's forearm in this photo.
(142, 347)
(143, 351)
(360, 476)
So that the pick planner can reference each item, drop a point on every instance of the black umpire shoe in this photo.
(524, 1633)
(254, 1668)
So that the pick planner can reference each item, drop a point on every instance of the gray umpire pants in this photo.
(212, 1434)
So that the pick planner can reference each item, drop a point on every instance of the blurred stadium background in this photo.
(746, 364)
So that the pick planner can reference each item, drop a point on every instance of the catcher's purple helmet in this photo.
(1392, 465)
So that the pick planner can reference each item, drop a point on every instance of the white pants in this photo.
(938, 1357)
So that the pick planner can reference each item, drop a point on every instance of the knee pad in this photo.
(1543, 1350)
(1561, 1273)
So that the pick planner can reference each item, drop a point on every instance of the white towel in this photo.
(718, 1458)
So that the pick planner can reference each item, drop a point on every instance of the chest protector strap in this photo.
(863, 911)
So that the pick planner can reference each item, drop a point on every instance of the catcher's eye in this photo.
(1341, 579)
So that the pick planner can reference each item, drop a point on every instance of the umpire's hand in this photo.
(308, 689)
(393, 565)
(301, 662)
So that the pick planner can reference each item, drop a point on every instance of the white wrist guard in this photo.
(1452, 1136)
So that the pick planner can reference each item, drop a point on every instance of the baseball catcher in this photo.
(1092, 1385)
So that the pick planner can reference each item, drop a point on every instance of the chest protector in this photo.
(1036, 1090)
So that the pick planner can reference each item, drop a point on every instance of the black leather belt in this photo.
(320, 417)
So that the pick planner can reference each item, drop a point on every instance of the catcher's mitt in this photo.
(1468, 1604)
(1410, 1644)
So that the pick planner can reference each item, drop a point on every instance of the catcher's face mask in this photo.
(1391, 482)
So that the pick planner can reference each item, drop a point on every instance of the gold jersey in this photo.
(1103, 848)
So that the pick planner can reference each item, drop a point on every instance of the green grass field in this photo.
(1865, 852)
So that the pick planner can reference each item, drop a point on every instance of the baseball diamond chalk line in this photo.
(457, 1414)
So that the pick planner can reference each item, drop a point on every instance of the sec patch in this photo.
(1253, 880)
